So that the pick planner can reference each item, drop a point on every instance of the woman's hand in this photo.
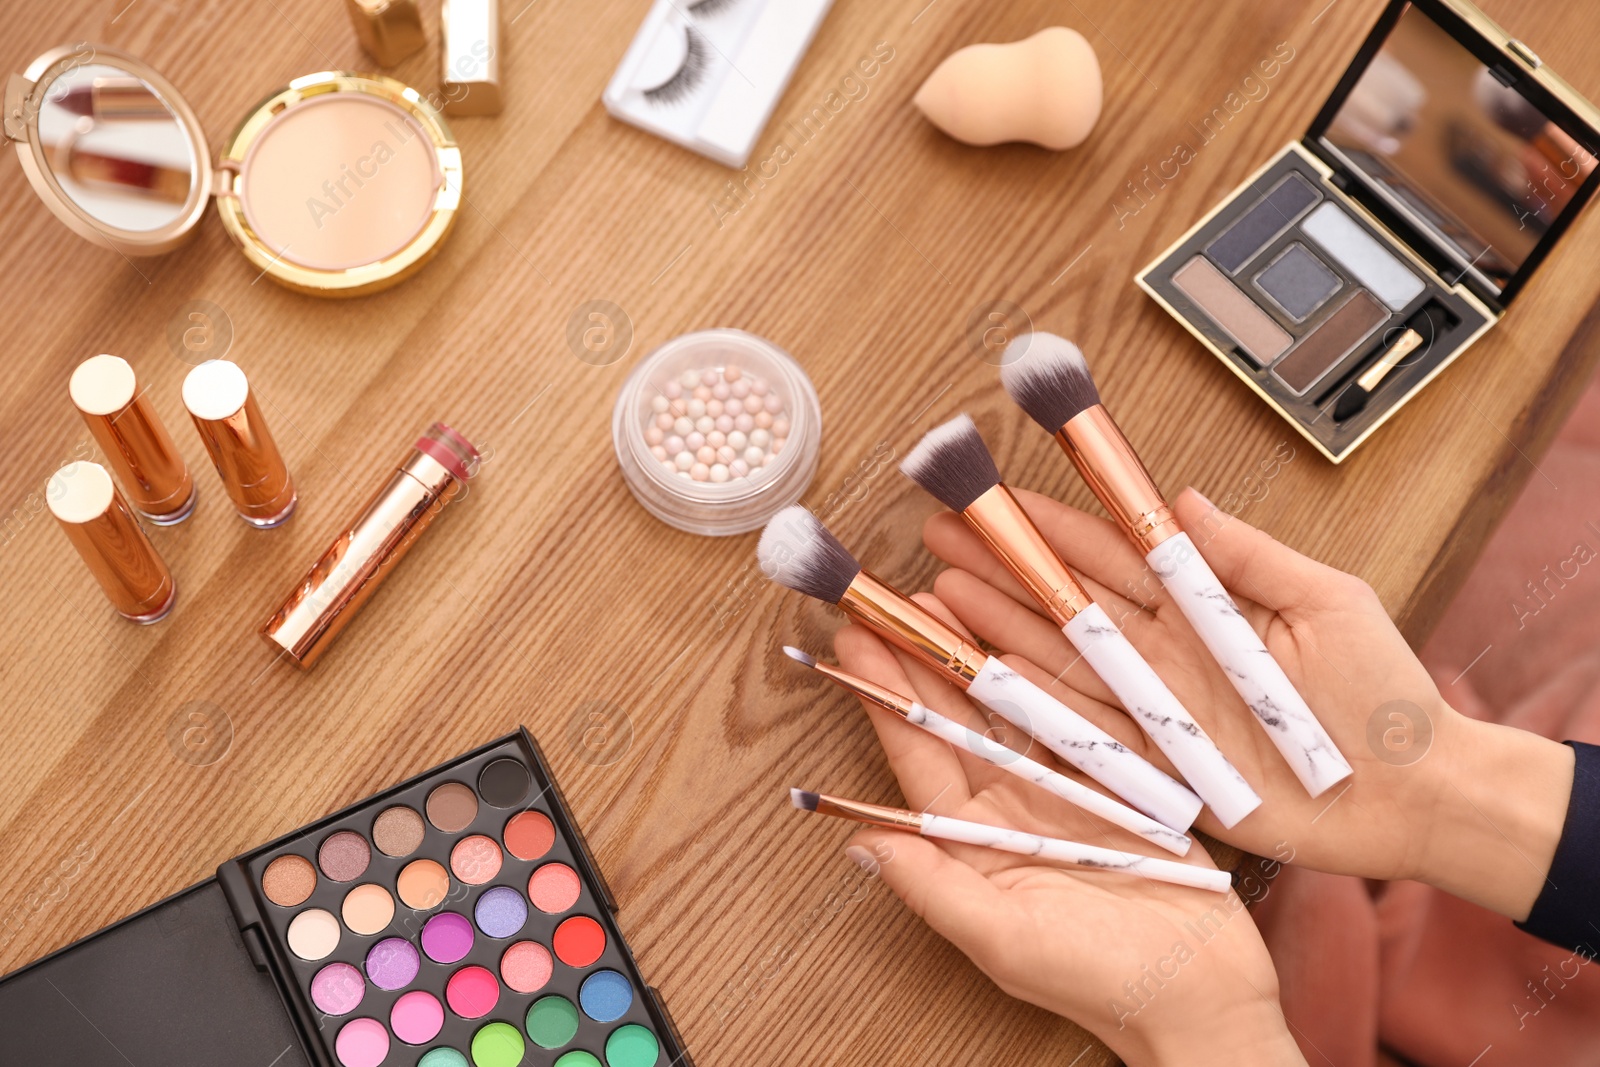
(1473, 808)
(1163, 974)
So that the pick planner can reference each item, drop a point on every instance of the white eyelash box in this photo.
(707, 74)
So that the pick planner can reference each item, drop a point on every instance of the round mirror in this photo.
(115, 148)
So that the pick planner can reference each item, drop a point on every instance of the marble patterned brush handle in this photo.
(1075, 793)
(1050, 848)
(1271, 697)
(1160, 714)
(1083, 744)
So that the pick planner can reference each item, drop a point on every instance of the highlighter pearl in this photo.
(1046, 89)
(715, 424)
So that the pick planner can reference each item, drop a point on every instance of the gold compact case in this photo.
(1361, 261)
(338, 184)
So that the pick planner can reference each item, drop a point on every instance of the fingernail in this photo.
(862, 858)
(1203, 498)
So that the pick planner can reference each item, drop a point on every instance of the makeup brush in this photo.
(953, 464)
(797, 551)
(994, 753)
(1049, 379)
(1422, 330)
(998, 837)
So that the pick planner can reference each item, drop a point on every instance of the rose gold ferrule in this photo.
(1113, 470)
(903, 622)
(147, 463)
(871, 814)
(249, 463)
(121, 558)
(361, 557)
(884, 698)
(998, 518)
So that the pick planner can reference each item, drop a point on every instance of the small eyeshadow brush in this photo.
(953, 464)
(797, 551)
(1048, 378)
(994, 753)
(945, 828)
(1421, 331)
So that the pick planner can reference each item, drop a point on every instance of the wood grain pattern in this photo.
(548, 595)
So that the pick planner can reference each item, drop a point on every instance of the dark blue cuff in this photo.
(1567, 913)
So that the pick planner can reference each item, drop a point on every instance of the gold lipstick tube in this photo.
(121, 99)
(361, 557)
(871, 814)
(997, 517)
(224, 410)
(136, 444)
(890, 613)
(389, 30)
(100, 525)
(1110, 466)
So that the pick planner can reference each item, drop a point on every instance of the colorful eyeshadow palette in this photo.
(456, 920)
(1433, 183)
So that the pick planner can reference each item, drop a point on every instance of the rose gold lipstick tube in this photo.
(998, 518)
(1112, 469)
(102, 528)
(223, 407)
(136, 444)
(363, 554)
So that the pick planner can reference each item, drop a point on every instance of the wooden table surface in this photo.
(644, 658)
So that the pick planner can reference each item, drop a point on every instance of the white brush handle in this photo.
(1050, 848)
(1083, 744)
(1029, 770)
(1160, 714)
(1271, 697)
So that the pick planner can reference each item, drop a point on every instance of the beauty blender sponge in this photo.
(1046, 90)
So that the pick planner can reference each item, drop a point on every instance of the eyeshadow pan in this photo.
(344, 856)
(554, 888)
(442, 1057)
(476, 859)
(632, 1046)
(1320, 350)
(577, 1058)
(393, 963)
(1362, 255)
(423, 885)
(367, 909)
(398, 831)
(472, 992)
(504, 783)
(288, 881)
(501, 911)
(552, 1021)
(497, 1045)
(529, 835)
(447, 937)
(1261, 339)
(313, 934)
(1298, 282)
(362, 1043)
(337, 989)
(526, 967)
(1272, 214)
(605, 996)
(579, 941)
(417, 1017)
(452, 807)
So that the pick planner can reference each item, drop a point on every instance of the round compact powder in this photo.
(367, 909)
(313, 934)
(288, 881)
(447, 938)
(362, 1043)
(529, 835)
(579, 941)
(340, 180)
(393, 963)
(526, 967)
(504, 783)
(497, 1045)
(423, 885)
(417, 1017)
(452, 807)
(337, 989)
(476, 859)
(632, 1046)
(472, 992)
(552, 1022)
(397, 831)
(344, 856)
(554, 888)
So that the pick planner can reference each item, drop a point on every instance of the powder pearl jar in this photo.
(716, 431)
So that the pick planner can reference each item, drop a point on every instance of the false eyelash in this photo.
(696, 60)
(707, 8)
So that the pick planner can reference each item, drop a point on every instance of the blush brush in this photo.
(797, 551)
(1049, 379)
(998, 755)
(953, 464)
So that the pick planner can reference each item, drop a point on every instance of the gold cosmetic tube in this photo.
(135, 443)
(223, 407)
(470, 55)
(389, 30)
(102, 528)
(361, 557)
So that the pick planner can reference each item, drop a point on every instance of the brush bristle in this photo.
(796, 550)
(803, 800)
(1048, 378)
(799, 656)
(952, 463)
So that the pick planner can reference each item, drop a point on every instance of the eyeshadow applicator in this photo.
(945, 828)
(797, 551)
(1049, 379)
(993, 752)
(952, 463)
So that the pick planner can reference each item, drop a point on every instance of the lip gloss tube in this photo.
(101, 526)
(136, 444)
(364, 553)
(241, 447)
